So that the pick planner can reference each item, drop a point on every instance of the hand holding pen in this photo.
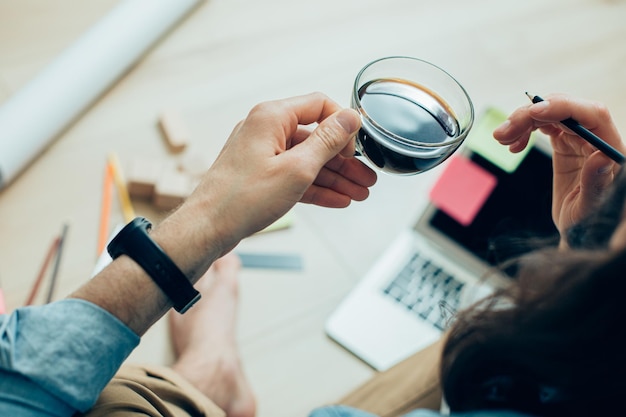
(587, 135)
(581, 170)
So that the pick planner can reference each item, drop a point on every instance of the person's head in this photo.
(552, 344)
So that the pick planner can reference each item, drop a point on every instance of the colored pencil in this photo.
(122, 190)
(42, 271)
(57, 262)
(105, 209)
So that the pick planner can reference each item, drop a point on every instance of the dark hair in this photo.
(552, 344)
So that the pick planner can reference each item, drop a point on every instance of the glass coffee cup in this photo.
(414, 115)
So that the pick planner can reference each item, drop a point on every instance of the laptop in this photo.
(446, 260)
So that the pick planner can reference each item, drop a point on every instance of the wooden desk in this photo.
(231, 54)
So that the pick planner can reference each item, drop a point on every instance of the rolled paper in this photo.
(41, 110)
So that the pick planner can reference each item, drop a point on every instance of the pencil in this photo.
(105, 211)
(57, 262)
(42, 272)
(120, 183)
(587, 135)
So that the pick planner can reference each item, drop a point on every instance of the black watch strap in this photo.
(134, 241)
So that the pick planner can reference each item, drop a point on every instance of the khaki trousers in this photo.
(152, 391)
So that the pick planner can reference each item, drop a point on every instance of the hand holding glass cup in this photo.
(414, 115)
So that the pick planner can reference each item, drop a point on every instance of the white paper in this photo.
(37, 113)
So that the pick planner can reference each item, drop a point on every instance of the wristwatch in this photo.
(134, 241)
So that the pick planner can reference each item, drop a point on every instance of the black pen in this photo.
(584, 133)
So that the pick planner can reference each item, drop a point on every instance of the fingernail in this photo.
(349, 120)
(541, 106)
(504, 126)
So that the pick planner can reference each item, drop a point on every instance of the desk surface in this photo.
(231, 54)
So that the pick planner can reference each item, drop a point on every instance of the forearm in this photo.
(125, 290)
(65, 352)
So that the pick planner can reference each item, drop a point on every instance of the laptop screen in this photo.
(517, 211)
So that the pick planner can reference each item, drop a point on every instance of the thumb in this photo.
(330, 137)
(596, 176)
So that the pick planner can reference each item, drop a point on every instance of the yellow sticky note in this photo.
(480, 140)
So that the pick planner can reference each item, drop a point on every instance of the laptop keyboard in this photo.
(427, 290)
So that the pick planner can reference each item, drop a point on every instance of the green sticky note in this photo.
(480, 140)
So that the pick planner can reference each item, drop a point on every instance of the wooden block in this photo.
(171, 189)
(142, 176)
(174, 130)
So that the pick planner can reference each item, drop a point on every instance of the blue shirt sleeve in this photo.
(57, 358)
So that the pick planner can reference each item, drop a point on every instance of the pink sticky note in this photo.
(462, 189)
(3, 308)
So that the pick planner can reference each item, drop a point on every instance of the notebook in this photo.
(481, 203)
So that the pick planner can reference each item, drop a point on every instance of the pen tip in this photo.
(529, 95)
